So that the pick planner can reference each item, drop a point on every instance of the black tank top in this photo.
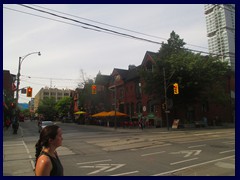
(57, 168)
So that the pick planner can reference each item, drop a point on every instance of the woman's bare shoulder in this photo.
(43, 166)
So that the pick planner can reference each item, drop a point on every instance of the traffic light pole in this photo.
(166, 85)
(165, 97)
(21, 59)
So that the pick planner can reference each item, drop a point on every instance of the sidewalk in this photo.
(17, 160)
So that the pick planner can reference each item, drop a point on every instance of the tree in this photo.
(47, 108)
(63, 106)
(197, 75)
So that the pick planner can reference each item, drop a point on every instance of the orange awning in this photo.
(101, 114)
(112, 113)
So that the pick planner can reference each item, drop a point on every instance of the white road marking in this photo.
(29, 155)
(183, 161)
(188, 152)
(94, 161)
(132, 172)
(103, 167)
(227, 151)
(116, 167)
(187, 167)
(153, 153)
(9, 145)
(229, 142)
(150, 147)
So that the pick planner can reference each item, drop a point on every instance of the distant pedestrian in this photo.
(141, 123)
(47, 161)
(205, 121)
(15, 126)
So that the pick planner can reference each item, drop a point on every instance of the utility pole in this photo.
(115, 104)
(21, 59)
(165, 97)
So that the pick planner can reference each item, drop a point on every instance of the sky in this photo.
(72, 52)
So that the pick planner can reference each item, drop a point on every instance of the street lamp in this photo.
(21, 59)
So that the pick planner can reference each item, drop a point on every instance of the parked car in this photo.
(43, 124)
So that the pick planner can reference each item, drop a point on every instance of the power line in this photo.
(112, 25)
(50, 78)
(112, 31)
(104, 29)
(94, 26)
(84, 27)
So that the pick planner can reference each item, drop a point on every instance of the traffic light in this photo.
(29, 92)
(175, 88)
(94, 89)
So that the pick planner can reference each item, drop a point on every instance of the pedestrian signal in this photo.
(29, 92)
(94, 89)
(175, 88)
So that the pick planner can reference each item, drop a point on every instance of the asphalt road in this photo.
(101, 151)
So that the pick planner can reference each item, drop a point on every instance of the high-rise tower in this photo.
(220, 20)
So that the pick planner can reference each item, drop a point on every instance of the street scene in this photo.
(107, 90)
(104, 151)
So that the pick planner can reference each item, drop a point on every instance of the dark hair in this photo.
(49, 132)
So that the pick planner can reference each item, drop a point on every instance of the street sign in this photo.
(144, 108)
(23, 91)
(167, 111)
(175, 124)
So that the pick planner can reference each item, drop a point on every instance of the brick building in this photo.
(124, 88)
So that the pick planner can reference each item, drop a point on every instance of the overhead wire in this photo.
(94, 26)
(116, 32)
(105, 30)
(105, 24)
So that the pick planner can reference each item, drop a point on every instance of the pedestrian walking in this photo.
(15, 126)
(47, 160)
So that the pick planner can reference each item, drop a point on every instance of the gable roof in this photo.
(102, 79)
(149, 56)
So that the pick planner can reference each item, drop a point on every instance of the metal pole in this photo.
(115, 116)
(18, 82)
(165, 97)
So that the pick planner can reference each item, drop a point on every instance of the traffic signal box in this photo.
(29, 92)
(175, 88)
(94, 89)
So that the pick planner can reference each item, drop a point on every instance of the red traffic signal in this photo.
(29, 92)
(175, 88)
(94, 89)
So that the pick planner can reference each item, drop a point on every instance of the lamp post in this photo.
(21, 59)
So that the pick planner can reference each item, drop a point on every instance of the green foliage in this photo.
(47, 107)
(26, 112)
(197, 75)
(63, 106)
